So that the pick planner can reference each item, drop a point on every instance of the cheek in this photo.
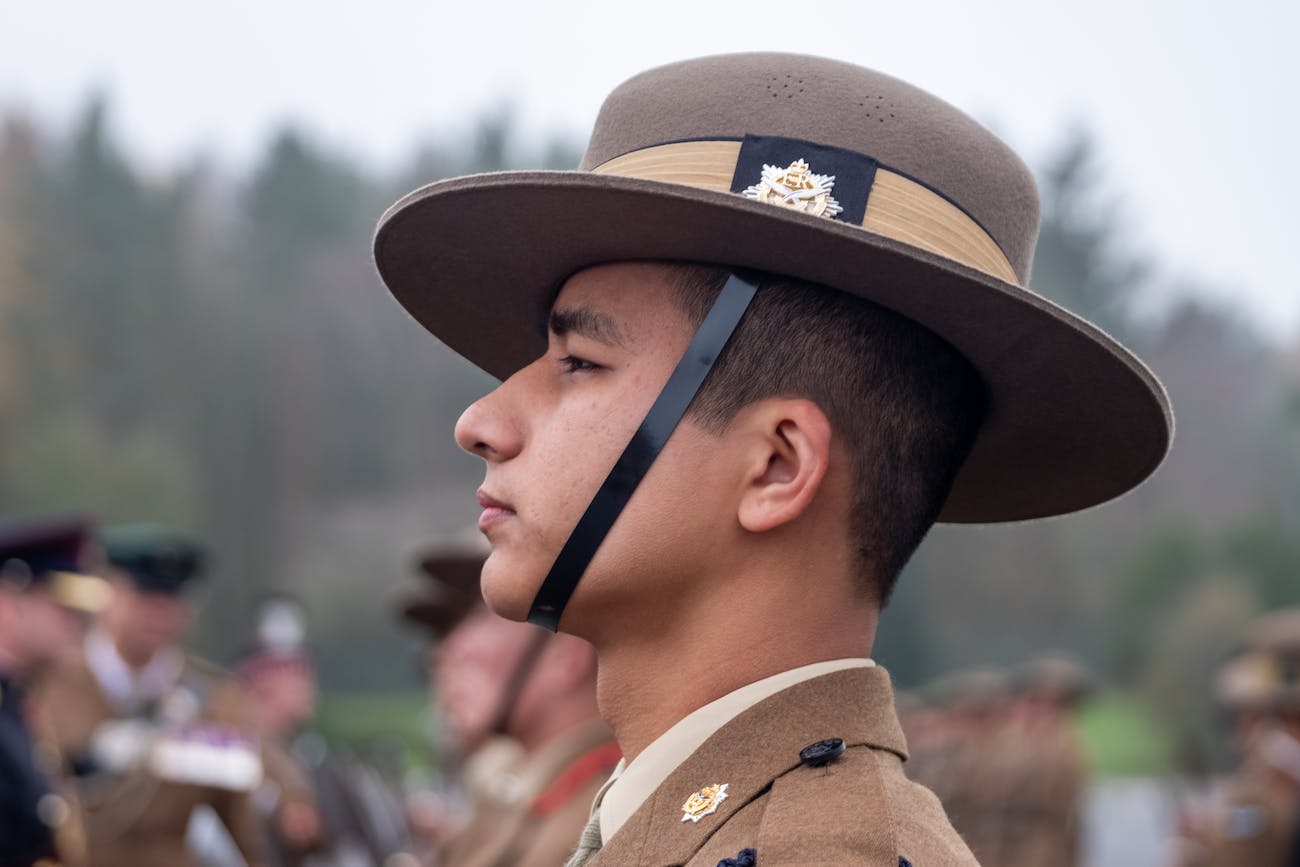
(566, 460)
(672, 528)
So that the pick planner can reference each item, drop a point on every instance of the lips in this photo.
(494, 510)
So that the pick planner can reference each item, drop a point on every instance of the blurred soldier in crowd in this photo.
(1045, 765)
(971, 776)
(1004, 757)
(495, 677)
(1255, 818)
(45, 601)
(152, 733)
(278, 677)
(316, 808)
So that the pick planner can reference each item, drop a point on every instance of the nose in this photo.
(488, 429)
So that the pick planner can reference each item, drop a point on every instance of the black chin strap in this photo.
(641, 451)
(514, 685)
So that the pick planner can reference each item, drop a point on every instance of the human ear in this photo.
(787, 451)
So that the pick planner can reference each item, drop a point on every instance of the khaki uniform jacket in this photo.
(860, 809)
(141, 821)
(538, 823)
(1017, 797)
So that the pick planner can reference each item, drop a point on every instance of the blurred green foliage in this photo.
(1122, 739)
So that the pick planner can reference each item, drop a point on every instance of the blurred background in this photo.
(191, 330)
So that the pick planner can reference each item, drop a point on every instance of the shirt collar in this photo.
(124, 686)
(631, 783)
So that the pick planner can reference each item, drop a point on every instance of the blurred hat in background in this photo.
(1057, 677)
(450, 589)
(52, 553)
(279, 638)
(1265, 675)
(157, 559)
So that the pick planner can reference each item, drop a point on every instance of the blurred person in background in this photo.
(1254, 817)
(496, 678)
(153, 733)
(973, 778)
(46, 601)
(278, 676)
(1044, 764)
(317, 807)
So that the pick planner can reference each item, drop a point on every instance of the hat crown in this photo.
(835, 104)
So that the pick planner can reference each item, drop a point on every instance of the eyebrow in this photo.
(585, 322)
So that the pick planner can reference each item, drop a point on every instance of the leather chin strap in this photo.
(518, 679)
(659, 423)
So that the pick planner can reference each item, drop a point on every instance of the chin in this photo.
(504, 592)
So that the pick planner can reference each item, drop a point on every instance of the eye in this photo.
(574, 364)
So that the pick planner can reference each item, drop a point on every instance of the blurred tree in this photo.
(1154, 581)
(1081, 261)
(1189, 642)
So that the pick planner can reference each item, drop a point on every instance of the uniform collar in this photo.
(751, 751)
(634, 782)
(125, 687)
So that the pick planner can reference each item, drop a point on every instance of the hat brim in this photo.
(1074, 420)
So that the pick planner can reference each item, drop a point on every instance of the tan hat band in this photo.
(88, 593)
(896, 206)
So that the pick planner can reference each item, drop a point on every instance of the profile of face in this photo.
(471, 670)
(143, 622)
(550, 434)
(45, 633)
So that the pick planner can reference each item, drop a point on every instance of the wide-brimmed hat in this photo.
(450, 590)
(829, 173)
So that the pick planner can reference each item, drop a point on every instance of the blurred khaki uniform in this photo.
(1044, 801)
(1256, 820)
(1255, 825)
(286, 785)
(531, 815)
(136, 818)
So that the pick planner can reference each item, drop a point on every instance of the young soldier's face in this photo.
(550, 434)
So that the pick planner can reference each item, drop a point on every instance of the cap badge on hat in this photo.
(796, 187)
(704, 802)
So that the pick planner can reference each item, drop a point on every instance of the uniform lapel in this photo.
(751, 751)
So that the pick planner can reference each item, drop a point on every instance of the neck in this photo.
(133, 657)
(653, 677)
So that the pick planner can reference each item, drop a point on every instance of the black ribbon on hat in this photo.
(659, 423)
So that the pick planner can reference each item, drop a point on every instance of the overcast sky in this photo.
(1193, 103)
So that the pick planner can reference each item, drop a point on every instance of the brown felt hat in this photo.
(826, 172)
(451, 589)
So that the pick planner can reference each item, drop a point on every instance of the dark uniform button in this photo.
(822, 752)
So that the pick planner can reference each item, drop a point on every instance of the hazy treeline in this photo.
(215, 351)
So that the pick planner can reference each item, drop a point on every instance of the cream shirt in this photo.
(631, 784)
(124, 686)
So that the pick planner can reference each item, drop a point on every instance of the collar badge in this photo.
(704, 802)
(797, 188)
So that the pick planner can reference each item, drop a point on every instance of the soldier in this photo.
(1052, 761)
(495, 679)
(279, 679)
(45, 601)
(152, 732)
(1255, 819)
(318, 807)
(885, 367)
(975, 780)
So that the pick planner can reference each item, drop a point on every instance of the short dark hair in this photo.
(906, 405)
